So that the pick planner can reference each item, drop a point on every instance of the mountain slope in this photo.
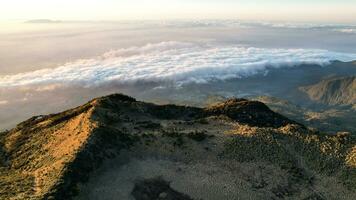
(333, 91)
(117, 146)
(329, 119)
(40, 148)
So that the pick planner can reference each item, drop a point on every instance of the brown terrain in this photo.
(333, 91)
(330, 119)
(115, 147)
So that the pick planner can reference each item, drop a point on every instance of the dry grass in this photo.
(227, 146)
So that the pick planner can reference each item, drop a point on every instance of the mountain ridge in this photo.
(50, 157)
(333, 91)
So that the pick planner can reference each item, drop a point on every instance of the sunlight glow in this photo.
(302, 10)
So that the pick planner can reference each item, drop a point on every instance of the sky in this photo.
(50, 67)
(336, 11)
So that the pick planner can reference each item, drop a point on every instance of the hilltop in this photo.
(118, 146)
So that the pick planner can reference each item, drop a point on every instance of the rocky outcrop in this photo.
(252, 113)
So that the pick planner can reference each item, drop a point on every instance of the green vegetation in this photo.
(297, 152)
(156, 188)
(333, 91)
(179, 136)
(198, 135)
(252, 113)
(148, 125)
(328, 119)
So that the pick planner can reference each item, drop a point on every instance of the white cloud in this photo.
(172, 61)
(248, 24)
(203, 23)
(295, 25)
(45, 88)
(347, 30)
(290, 25)
(3, 102)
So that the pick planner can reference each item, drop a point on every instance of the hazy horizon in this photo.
(334, 11)
(58, 54)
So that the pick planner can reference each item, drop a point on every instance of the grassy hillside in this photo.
(333, 91)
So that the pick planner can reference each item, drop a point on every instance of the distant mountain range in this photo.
(333, 91)
(42, 21)
(331, 119)
(118, 147)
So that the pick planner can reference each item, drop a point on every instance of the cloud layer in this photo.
(347, 30)
(173, 62)
(250, 24)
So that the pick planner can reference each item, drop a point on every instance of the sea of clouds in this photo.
(347, 30)
(175, 62)
(251, 24)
